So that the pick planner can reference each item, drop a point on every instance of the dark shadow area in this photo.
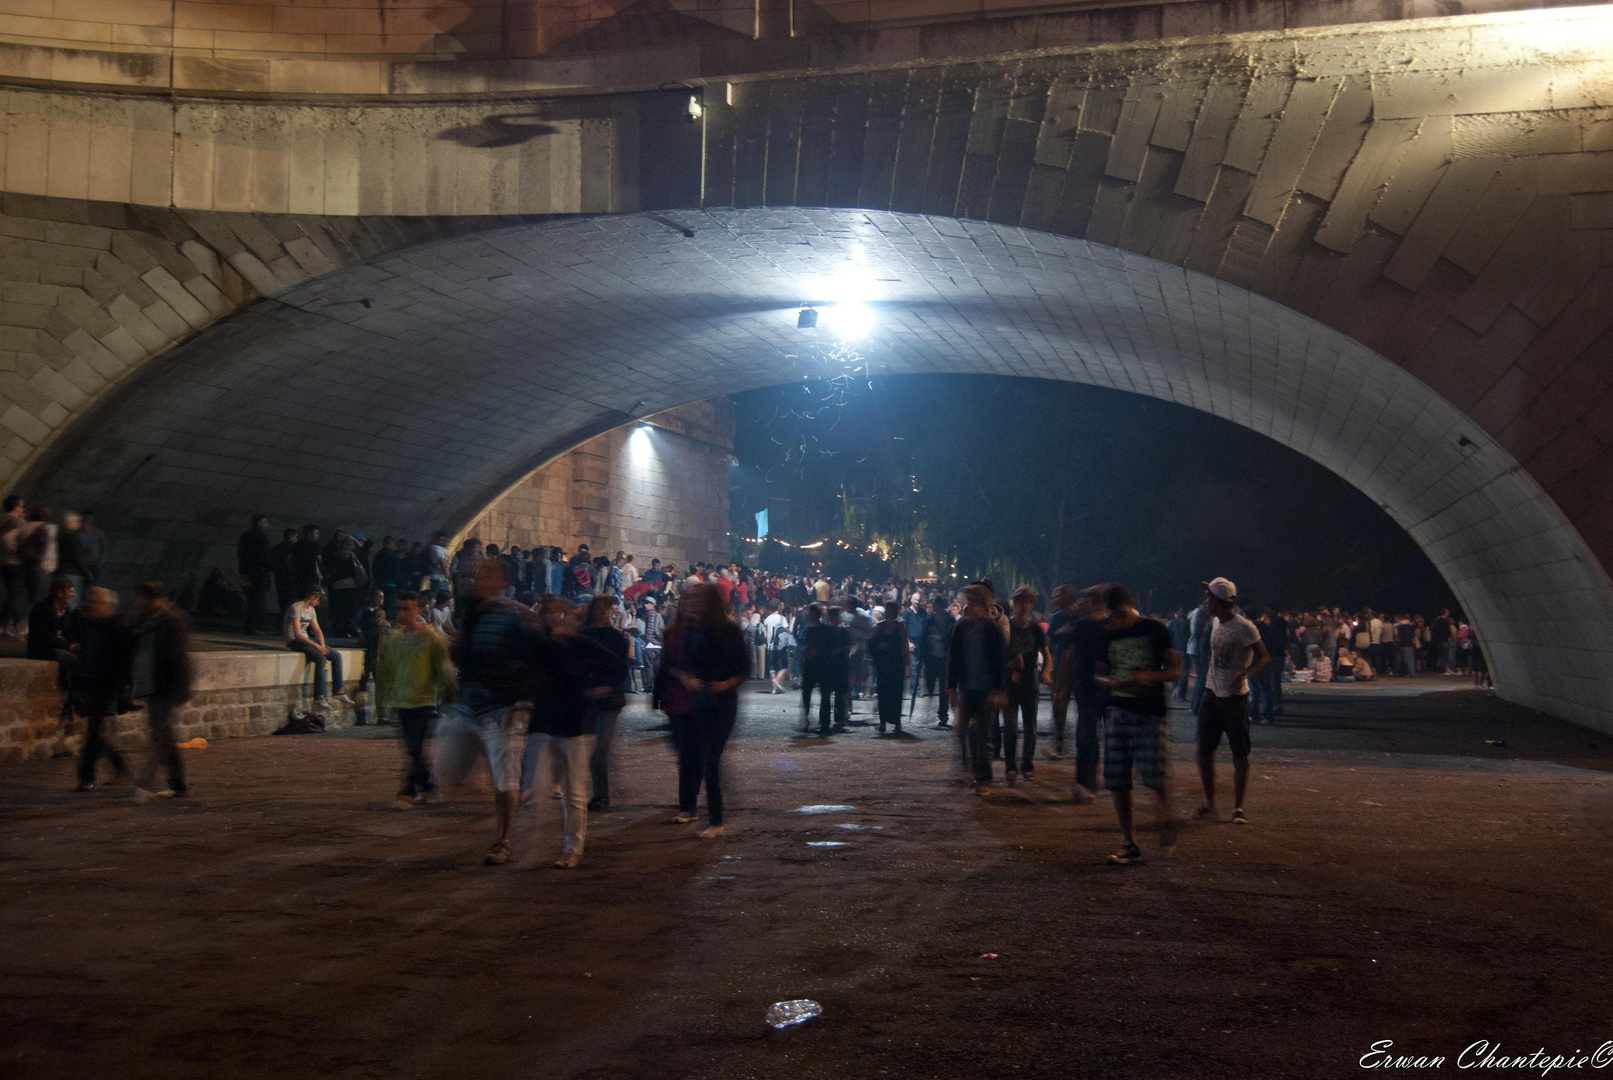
(502, 129)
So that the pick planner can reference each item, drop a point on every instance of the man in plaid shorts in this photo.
(1141, 664)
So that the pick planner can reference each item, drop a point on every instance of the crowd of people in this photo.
(524, 660)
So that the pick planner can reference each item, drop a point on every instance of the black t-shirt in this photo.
(1024, 646)
(1142, 646)
(1089, 643)
(1059, 628)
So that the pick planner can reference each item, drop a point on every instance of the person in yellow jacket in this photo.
(414, 675)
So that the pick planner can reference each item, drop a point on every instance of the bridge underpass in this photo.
(1432, 193)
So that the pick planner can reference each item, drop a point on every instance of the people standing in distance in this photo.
(1027, 647)
(161, 674)
(888, 648)
(99, 676)
(706, 658)
(977, 678)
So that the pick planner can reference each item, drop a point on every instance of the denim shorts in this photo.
(1133, 740)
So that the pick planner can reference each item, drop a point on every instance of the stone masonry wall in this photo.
(656, 494)
(237, 694)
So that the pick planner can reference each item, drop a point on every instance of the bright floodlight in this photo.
(843, 300)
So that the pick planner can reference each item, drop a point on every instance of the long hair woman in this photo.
(704, 660)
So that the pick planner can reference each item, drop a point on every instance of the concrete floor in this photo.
(1401, 879)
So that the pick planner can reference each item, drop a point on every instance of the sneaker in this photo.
(405, 802)
(342, 699)
(1129, 854)
(141, 795)
(498, 854)
(568, 861)
(682, 819)
(1011, 777)
(1055, 755)
(1238, 817)
(1204, 813)
(1027, 774)
(596, 806)
(1081, 796)
(711, 832)
(85, 787)
(982, 790)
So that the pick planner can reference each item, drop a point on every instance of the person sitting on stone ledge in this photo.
(50, 635)
(220, 598)
(303, 635)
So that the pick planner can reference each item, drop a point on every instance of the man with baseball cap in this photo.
(1236, 652)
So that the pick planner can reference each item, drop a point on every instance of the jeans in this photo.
(699, 738)
(564, 761)
(415, 724)
(97, 705)
(599, 760)
(164, 752)
(1408, 661)
(1022, 705)
(1448, 650)
(318, 660)
(828, 687)
(1061, 711)
(935, 672)
(974, 731)
(1261, 694)
(1087, 714)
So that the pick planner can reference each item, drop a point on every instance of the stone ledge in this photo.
(236, 694)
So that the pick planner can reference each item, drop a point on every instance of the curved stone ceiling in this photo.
(405, 394)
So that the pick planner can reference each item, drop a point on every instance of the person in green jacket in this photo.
(413, 676)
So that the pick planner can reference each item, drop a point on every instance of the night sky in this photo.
(1154, 495)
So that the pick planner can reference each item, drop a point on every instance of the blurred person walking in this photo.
(977, 680)
(567, 675)
(1139, 665)
(1027, 646)
(99, 677)
(36, 552)
(15, 613)
(492, 653)
(161, 674)
(607, 695)
(1056, 674)
(414, 675)
(1089, 646)
(936, 640)
(706, 658)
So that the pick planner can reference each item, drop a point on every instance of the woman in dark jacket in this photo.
(568, 674)
(161, 674)
(704, 661)
(603, 709)
(100, 674)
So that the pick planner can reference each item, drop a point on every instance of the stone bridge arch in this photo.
(1436, 193)
(407, 393)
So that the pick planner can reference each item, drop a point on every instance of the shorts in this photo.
(464, 736)
(1133, 740)
(1224, 714)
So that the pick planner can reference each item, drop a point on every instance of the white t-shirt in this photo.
(1231, 644)
(772, 626)
(300, 615)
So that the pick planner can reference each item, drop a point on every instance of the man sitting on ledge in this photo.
(303, 635)
(50, 635)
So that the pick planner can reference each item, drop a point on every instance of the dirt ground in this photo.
(1400, 879)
